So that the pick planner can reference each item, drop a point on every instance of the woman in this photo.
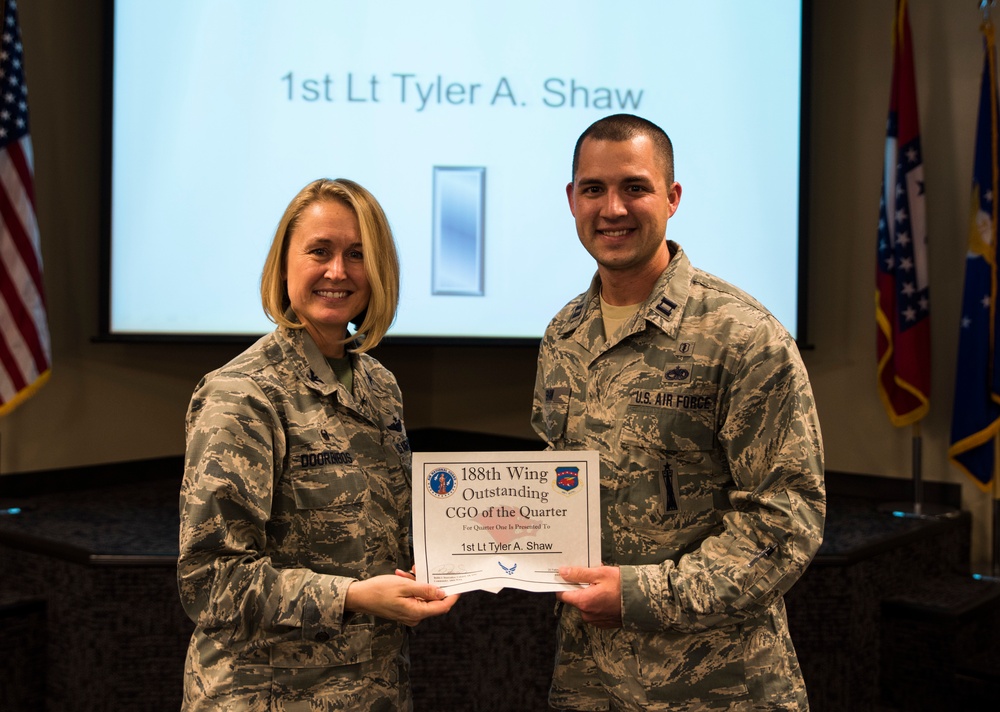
(295, 505)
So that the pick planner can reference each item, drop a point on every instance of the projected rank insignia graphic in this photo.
(458, 252)
(441, 482)
(567, 478)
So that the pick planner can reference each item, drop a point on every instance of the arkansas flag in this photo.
(902, 297)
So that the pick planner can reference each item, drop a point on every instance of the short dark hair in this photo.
(625, 127)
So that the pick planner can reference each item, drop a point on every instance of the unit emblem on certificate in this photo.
(567, 478)
(441, 482)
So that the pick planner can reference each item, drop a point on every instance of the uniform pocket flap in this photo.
(667, 430)
(353, 645)
(332, 487)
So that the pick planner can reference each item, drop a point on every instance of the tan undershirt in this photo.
(615, 316)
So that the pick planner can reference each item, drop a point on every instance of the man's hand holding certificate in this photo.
(493, 520)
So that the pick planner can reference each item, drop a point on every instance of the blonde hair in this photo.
(380, 259)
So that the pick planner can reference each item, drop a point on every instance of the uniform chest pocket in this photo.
(331, 519)
(332, 487)
(673, 459)
(672, 429)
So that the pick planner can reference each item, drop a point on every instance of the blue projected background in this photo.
(223, 109)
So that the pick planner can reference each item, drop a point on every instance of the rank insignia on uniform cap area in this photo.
(665, 307)
(567, 478)
(441, 482)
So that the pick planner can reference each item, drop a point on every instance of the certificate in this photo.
(493, 520)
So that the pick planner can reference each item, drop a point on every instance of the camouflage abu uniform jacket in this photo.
(712, 494)
(293, 488)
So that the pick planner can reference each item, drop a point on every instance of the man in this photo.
(712, 494)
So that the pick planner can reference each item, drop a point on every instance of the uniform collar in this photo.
(309, 362)
(662, 309)
(315, 371)
(665, 305)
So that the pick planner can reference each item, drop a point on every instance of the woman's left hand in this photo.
(398, 597)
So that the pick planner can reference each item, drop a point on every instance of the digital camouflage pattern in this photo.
(712, 494)
(293, 488)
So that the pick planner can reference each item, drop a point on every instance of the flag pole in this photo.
(916, 464)
(995, 508)
(994, 567)
(918, 508)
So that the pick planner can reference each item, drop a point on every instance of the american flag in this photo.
(25, 350)
(901, 290)
(975, 421)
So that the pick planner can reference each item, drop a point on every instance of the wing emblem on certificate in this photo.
(493, 520)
